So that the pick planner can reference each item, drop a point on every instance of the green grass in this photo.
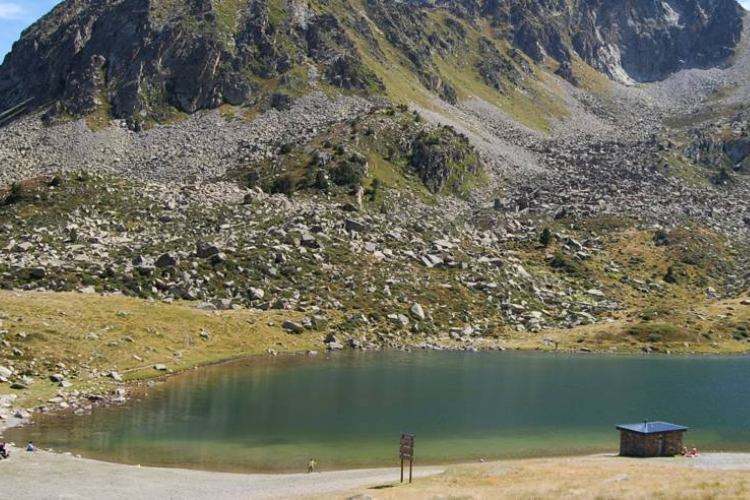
(108, 332)
(393, 177)
(535, 106)
(227, 15)
(651, 331)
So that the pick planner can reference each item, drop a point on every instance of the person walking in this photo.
(311, 465)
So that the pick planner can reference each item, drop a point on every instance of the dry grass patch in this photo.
(575, 477)
(90, 333)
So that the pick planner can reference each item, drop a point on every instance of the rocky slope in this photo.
(367, 174)
(419, 174)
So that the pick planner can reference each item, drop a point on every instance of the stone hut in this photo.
(651, 439)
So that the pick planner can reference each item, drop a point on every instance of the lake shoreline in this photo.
(151, 335)
(86, 478)
(280, 446)
(134, 390)
(249, 335)
(137, 388)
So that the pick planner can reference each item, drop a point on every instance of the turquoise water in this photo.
(349, 410)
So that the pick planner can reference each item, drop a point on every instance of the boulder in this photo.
(37, 273)
(334, 346)
(417, 312)
(355, 226)
(205, 250)
(166, 260)
(292, 327)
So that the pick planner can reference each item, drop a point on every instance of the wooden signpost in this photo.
(406, 450)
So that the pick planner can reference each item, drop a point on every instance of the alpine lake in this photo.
(348, 410)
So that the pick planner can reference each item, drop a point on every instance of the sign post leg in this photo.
(402, 469)
(411, 464)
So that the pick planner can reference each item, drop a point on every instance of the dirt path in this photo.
(43, 475)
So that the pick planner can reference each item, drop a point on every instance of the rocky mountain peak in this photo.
(138, 59)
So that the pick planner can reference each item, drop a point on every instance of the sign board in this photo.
(406, 448)
(406, 452)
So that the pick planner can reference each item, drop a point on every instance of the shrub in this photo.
(374, 189)
(670, 276)
(321, 180)
(349, 172)
(656, 332)
(546, 237)
(722, 177)
(564, 263)
(252, 179)
(16, 193)
(285, 184)
(661, 238)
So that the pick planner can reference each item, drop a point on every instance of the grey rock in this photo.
(354, 225)
(166, 260)
(205, 250)
(417, 312)
(37, 273)
(292, 327)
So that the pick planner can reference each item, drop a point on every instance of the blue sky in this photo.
(16, 15)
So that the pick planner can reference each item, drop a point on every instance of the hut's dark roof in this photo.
(651, 427)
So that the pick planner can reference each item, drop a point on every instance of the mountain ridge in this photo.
(136, 58)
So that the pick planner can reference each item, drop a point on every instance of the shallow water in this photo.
(349, 410)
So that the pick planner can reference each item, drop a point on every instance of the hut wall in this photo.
(666, 444)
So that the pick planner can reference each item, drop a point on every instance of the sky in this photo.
(16, 15)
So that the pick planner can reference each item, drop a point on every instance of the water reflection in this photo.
(349, 410)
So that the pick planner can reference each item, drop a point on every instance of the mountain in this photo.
(470, 174)
(137, 58)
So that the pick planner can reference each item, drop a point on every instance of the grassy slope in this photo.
(533, 106)
(671, 317)
(701, 329)
(59, 328)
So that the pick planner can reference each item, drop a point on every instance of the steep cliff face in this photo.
(629, 40)
(650, 39)
(141, 57)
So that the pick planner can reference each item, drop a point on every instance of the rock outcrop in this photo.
(142, 56)
(141, 59)
(642, 40)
